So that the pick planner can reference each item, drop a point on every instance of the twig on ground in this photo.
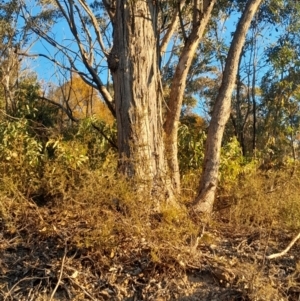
(21, 280)
(276, 255)
(60, 274)
(82, 288)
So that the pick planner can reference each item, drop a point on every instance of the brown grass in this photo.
(112, 234)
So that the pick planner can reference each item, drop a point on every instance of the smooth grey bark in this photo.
(178, 86)
(209, 180)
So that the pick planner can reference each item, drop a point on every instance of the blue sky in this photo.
(48, 72)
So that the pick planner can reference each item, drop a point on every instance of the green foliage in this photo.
(233, 163)
(51, 166)
(68, 154)
(190, 147)
(30, 106)
(69, 157)
(95, 133)
(21, 155)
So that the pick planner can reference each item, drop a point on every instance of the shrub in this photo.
(190, 148)
(21, 156)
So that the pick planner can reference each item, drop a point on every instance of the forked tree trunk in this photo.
(178, 89)
(221, 112)
(138, 94)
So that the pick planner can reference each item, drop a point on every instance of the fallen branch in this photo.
(60, 274)
(276, 255)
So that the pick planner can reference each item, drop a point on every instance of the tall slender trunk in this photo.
(178, 88)
(8, 80)
(221, 112)
(138, 94)
(10, 103)
(239, 116)
(253, 96)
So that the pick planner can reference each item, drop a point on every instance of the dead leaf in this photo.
(74, 275)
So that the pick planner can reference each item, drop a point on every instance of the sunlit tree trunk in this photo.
(178, 88)
(221, 112)
(8, 78)
(138, 94)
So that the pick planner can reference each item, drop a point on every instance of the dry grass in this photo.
(269, 199)
(120, 248)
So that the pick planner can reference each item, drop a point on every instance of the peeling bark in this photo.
(138, 94)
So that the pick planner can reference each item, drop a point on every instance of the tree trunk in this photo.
(178, 88)
(221, 112)
(138, 94)
(9, 69)
(253, 96)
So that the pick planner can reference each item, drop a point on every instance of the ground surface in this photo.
(41, 264)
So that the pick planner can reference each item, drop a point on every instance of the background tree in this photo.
(81, 101)
(278, 120)
(13, 38)
(221, 112)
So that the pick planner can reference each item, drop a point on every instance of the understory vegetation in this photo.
(149, 150)
(68, 218)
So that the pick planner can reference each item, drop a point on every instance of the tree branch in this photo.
(95, 26)
(60, 274)
(171, 28)
(276, 255)
(66, 111)
(71, 55)
(111, 142)
(181, 22)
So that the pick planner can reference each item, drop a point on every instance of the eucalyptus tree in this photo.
(278, 112)
(221, 112)
(129, 38)
(280, 118)
(13, 38)
(246, 96)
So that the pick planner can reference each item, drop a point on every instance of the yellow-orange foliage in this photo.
(84, 101)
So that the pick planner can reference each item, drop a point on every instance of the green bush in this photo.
(94, 134)
(191, 143)
(233, 163)
(21, 156)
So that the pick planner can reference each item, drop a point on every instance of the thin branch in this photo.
(106, 95)
(276, 255)
(66, 51)
(66, 111)
(171, 28)
(95, 25)
(110, 141)
(181, 22)
(17, 283)
(71, 117)
(84, 27)
(82, 288)
(60, 274)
